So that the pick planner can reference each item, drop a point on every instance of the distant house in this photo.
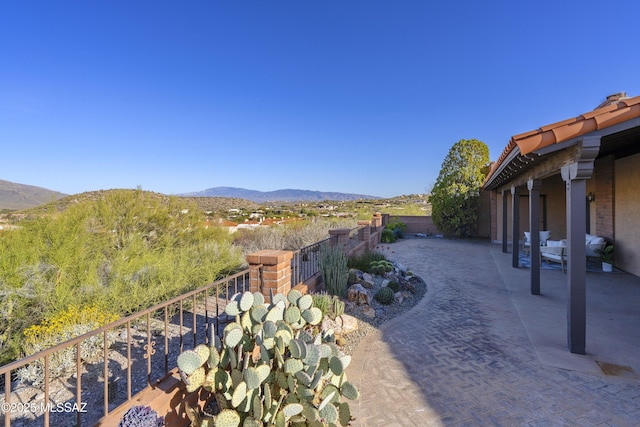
(572, 177)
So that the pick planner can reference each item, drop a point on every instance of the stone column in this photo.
(534, 227)
(575, 176)
(270, 270)
(377, 219)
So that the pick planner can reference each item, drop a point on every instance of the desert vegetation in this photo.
(123, 250)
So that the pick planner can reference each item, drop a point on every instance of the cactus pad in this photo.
(344, 414)
(292, 409)
(232, 308)
(246, 301)
(196, 379)
(189, 361)
(251, 377)
(312, 315)
(291, 366)
(259, 313)
(233, 337)
(335, 364)
(329, 413)
(293, 296)
(305, 302)
(239, 394)
(292, 314)
(227, 418)
(350, 391)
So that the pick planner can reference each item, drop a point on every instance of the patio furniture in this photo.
(556, 251)
(526, 246)
(594, 245)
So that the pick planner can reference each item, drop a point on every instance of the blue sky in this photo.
(352, 96)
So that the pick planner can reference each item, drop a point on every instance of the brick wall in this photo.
(605, 197)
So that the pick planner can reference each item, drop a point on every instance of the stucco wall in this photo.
(627, 220)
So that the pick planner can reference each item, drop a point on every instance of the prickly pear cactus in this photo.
(272, 366)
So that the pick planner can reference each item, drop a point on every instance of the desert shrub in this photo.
(363, 262)
(384, 295)
(394, 285)
(397, 227)
(126, 248)
(332, 263)
(387, 236)
(65, 325)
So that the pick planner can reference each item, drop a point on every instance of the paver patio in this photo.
(478, 350)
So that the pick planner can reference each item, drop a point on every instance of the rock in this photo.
(398, 298)
(349, 306)
(367, 277)
(369, 312)
(328, 323)
(368, 281)
(358, 294)
(385, 282)
(347, 323)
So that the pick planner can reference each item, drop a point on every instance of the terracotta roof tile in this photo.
(617, 111)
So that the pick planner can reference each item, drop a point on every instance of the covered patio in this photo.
(574, 177)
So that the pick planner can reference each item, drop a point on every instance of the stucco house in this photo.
(575, 177)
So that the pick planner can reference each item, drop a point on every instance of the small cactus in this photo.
(141, 416)
(384, 295)
(394, 285)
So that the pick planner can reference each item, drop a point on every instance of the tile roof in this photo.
(616, 109)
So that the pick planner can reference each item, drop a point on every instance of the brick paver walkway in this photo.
(462, 357)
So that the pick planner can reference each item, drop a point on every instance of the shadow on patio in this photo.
(480, 350)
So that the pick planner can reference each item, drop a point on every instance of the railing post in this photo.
(276, 271)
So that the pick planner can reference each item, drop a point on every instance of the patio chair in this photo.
(556, 251)
(526, 246)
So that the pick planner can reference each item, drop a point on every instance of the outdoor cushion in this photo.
(556, 243)
(544, 235)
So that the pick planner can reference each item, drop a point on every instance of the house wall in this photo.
(553, 190)
(627, 220)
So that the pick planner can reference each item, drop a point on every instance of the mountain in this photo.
(19, 196)
(287, 195)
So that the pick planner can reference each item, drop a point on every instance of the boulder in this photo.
(358, 294)
(369, 312)
(347, 323)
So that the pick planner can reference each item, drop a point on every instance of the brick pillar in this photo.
(385, 219)
(377, 219)
(366, 233)
(340, 237)
(276, 271)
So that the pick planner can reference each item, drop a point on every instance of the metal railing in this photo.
(304, 263)
(137, 352)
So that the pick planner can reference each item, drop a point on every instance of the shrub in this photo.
(363, 262)
(387, 236)
(384, 295)
(64, 326)
(333, 266)
(397, 227)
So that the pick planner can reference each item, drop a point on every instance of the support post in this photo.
(515, 232)
(504, 222)
(534, 228)
(575, 176)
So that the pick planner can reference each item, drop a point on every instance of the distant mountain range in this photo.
(286, 195)
(15, 196)
(19, 196)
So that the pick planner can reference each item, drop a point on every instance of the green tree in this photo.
(455, 196)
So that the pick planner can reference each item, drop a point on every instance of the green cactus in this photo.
(227, 418)
(333, 266)
(394, 285)
(189, 361)
(272, 366)
(338, 307)
(384, 295)
(352, 276)
(305, 302)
